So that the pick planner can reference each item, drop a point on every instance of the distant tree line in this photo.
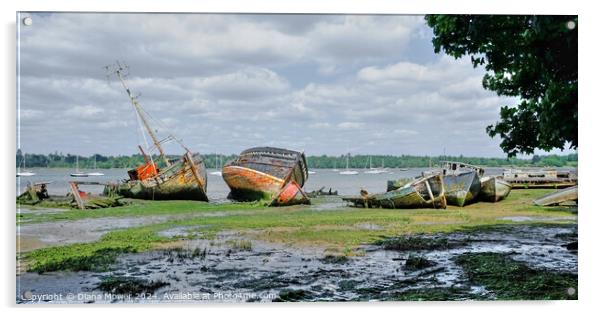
(60, 160)
(407, 161)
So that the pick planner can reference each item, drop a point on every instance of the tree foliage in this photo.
(530, 57)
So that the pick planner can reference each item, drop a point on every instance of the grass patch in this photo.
(129, 285)
(513, 280)
(240, 244)
(140, 208)
(97, 256)
(295, 225)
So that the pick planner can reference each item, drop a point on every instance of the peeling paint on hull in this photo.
(181, 181)
(414, 195)
(266, 173)
(494, 189)
(462, 188)
(249, 185)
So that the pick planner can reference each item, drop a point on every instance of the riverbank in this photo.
(94, 244)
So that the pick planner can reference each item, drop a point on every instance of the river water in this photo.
(217, 188)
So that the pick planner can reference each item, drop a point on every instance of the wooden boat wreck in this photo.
(86, 200)
(34, 193)
(425, 192)
(266, 173)
(461, 181)
(37, 193)
(181, 179)
(322, 192)
(546, 178)
(494, 189)
(558, 197)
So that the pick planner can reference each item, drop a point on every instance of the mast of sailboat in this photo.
(141, 115)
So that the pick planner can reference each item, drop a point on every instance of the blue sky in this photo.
(326, 84)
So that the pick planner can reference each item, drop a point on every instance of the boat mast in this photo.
(141, 115)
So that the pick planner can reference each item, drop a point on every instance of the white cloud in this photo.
(350, 125)
(84, 111)
(243, 84)
(228, 82)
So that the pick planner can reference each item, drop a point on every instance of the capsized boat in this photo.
(424, 192)
(267, 173)
(558, 197)
(494, 189)
(461, 181)
(179, 179)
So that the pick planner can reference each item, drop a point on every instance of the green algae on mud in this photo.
(509, 279)
(95, 256)
(341, 228)
(132, 286)
(140, 208)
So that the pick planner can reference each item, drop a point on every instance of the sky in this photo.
(324, 84)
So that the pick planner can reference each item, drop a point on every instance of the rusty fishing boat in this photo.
(494, 189)
(461, 181)
(160, 178)
(266, 173)
(424, 192)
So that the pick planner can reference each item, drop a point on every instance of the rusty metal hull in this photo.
(266, 173)
(462, 188)
(184, 180)
(494, 189)
(426, 192)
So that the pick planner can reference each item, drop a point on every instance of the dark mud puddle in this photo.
(231, 268)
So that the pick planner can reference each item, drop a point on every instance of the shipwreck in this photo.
(160, 178)
(494, 189)
(266, 173)
(461, 181)
(424, 192)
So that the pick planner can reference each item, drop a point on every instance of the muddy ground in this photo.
(232, 268)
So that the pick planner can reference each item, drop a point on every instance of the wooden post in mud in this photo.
(190, 161)
(76, 196)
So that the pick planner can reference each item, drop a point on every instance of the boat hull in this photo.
(558, 197)
(250, 185)
(291, 194)
(265, 173)
(461, 189)
(494, 189)
(183, 180)
(427, 192)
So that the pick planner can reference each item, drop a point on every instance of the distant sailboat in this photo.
(335, 167)
(217, 171)
(347, 171)
(78, 173)
(23, 172)
(375, 170)
(95, 173)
